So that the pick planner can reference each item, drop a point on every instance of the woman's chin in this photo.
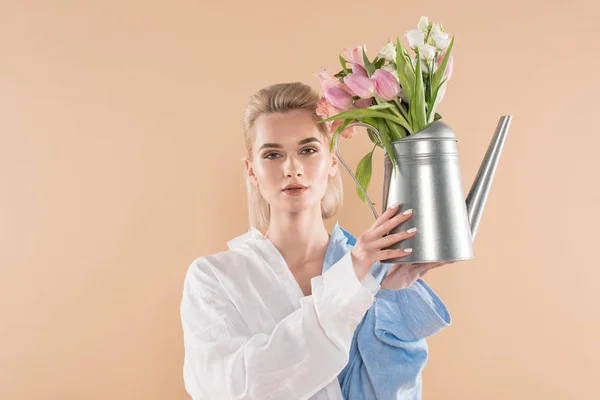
(298, 204)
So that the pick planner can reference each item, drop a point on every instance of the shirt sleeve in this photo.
(370, 283)
(410, 314)
(389, 348)
(305, 351)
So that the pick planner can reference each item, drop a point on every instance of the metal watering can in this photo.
(428, 180)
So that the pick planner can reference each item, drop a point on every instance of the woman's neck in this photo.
(300, 239)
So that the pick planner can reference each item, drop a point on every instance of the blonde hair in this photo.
(281, 98)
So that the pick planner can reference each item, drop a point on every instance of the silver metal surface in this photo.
(428, 180)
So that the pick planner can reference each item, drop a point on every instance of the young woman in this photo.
(296, 312)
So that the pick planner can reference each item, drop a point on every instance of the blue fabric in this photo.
(388, 350)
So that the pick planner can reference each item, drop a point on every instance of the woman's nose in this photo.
(293, 167)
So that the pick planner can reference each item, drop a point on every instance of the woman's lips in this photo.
(294, 192)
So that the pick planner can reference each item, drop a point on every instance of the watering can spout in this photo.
(477, 196)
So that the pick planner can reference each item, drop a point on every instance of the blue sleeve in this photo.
(410, 314)
(389, 350)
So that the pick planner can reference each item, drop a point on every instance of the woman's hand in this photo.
(401, 276)
(368, 248)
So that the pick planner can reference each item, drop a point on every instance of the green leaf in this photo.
(431, 103)
(337, 132)
(389, 106)
(372, 135)
(409, 64)
(381, 106)
(438, 75)
(399, 119)
(374, 138)
(429, 84)
(417, 103)
(401, 108)
(437, 117)
(343, 62)
(368, 65)
(387, 145)
(362, 113)
(332, 141)
(395, 130)
(379, 63)
(364, 170)
(405, 76)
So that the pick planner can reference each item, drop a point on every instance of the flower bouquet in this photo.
(396, 93)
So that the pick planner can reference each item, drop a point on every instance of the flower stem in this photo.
(402, 110)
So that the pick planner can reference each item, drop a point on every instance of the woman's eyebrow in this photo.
(278, 146)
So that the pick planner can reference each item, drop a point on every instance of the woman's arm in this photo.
(410, 314)
(304, 352)
(389, 350)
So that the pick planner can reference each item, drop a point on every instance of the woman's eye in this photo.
(268, 155)
(310, 148)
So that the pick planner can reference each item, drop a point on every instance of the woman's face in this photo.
(288, 149)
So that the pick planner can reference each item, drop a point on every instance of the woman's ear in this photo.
(334, 165)
(250, 171)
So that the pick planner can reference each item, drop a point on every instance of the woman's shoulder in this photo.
(207, 264)
(207, 267)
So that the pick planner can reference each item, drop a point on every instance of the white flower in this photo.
(423, 24)
(442, 43)
(427, 52)
(441, 39)
(415, 38)
(388, 52)
(390, 68)
(424, 66)
(436, 29)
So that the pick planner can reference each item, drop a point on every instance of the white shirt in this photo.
(250, 333)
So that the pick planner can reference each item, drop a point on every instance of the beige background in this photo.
(120, 148)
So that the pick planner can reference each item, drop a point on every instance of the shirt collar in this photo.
(339, 243)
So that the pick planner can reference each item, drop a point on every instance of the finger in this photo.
(394, 268)
(392, 253)
(441, 264)
(398, 266)
(422, 269)
(392, 239)
(386, 226)
(389, 213)
(428, 266)
(422, 266)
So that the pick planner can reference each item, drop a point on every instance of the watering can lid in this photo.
(435, 131)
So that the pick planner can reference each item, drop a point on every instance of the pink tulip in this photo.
(326, 80)
(361, 85)
(449, 66)
(447, 75)
(363, 103)
(355, 56)
(325, 109)
(358, 69)
(386, 85)
(448, 72)
(338, 98)
(346, 89)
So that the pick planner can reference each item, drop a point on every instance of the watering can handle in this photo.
(337, 152)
